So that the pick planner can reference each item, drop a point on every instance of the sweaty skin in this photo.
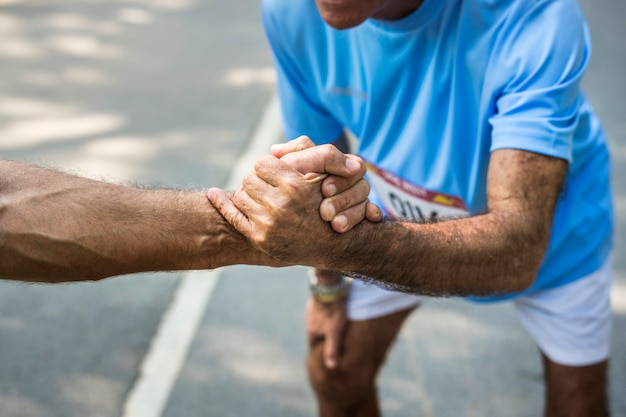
(497, 252)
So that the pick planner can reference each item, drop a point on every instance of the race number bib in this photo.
(402, 199)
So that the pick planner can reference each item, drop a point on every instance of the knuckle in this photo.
(304, 142)
(298, 141)
(262, 162)
(328, 150)
(343, 202)
(247, 181)
(355, 214)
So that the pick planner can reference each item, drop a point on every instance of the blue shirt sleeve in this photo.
(538, 64)
(302, 113)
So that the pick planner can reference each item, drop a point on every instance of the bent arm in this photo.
(493, 253)
(56, 227)
(497, 252)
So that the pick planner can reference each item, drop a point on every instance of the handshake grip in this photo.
(344, 188)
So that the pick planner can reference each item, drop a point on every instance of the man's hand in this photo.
(345, 191)
(277, 203)
(326, 323)
(277, 209)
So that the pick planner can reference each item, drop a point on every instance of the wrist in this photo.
(328, 289)
(326, 276)
(223, 245)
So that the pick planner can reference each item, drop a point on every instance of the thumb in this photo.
(331, 350)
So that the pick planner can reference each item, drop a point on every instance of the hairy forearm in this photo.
(497, 252)
(57, 227)
(481, 255)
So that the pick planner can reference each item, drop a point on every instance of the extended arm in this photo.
(496, 252)
(59, 227)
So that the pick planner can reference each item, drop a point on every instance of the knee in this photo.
(348, 385)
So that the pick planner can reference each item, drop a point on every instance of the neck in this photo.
(397, 9)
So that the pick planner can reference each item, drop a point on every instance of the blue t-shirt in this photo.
(431, 95)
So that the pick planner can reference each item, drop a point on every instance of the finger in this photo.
(278, 173)
(349, 218)
(274, 171)
(336, 184)
(331, 350)
(354, 196)
(373, 213)
(314, 338)
(357, 162)
(326, 159)
(263, 204)
(257, 188)
(225, 206)
(281, 149)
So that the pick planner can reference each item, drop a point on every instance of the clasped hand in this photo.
(298, 199)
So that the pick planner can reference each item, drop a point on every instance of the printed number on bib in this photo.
(401, 199)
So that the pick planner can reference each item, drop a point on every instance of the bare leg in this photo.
(575, 391)
(350, 390)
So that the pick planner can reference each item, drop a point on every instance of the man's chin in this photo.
(340, 14)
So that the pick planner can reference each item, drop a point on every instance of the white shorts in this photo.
(570, 324)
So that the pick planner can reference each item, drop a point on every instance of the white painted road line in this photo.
(169, 348)
(168, 351)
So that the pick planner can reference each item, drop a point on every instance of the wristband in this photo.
(329, 293)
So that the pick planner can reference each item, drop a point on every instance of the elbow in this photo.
(515, 275)
(524, 265)
(530, 239)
